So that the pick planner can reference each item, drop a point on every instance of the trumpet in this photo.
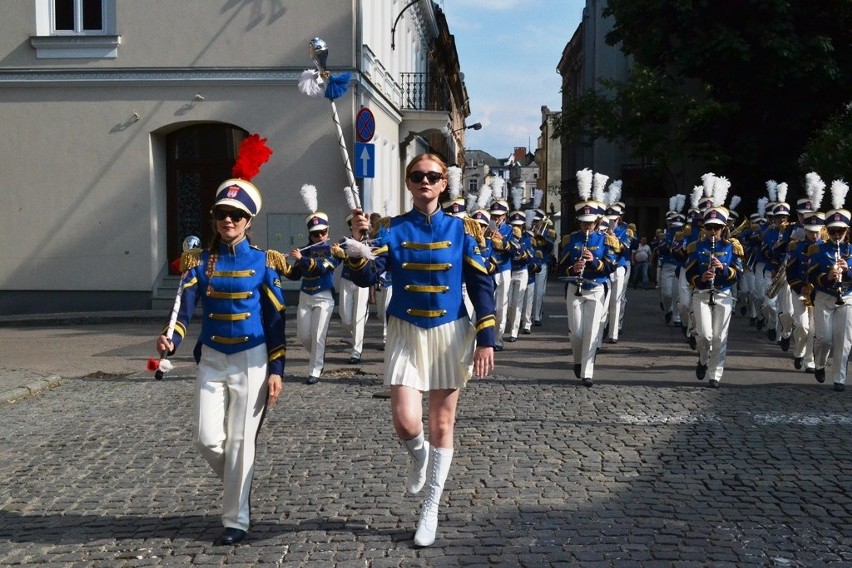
(579, 291)
(779, 278)
(738, 230)
(712, 300)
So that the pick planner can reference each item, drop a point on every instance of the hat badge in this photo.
(233, 191)
(838, 217)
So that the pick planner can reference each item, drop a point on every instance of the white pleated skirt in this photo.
(429, 359)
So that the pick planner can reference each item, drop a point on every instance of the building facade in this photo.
(121, 119)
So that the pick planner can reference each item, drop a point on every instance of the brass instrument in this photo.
(805, 295)
(739, 229)
(579, 291)
(712, 300)
(779, 278)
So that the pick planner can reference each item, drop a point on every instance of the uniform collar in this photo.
(239, 246)
(420, 217)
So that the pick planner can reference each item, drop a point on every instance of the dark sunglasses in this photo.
(319, 233)
(235, 216)
(433, 177)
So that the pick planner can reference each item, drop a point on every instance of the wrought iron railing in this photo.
(424, 91)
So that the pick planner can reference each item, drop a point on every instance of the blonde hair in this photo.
(423, 157)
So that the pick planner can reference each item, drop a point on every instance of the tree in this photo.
(739, 87)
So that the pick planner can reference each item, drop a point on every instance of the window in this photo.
(75, 29)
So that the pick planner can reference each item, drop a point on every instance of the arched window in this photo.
(199, 158)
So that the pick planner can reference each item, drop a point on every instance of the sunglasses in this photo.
(433, 177)
(321, 233)
(235, 216)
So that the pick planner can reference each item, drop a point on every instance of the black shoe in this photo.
(743, 311)
(838, 387)
(662, 307)
(577, 368)
(693, 344)
(611, 340)
(760, 324)
(355, 359)
(713, 384)
(797, 362)
(819, 375)
(526, 331)
(668, 316)
(785, 344)
(772, 335)
(231, 536)
(752, 322)
(700, 371)
(512, 339)
(587, 382)
(537, 323)
(312, 380)
(498, 347)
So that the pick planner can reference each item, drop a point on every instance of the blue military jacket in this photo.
(821, 259)
(602, 247)
(316, 269)
(430, 256)
(241, 298)
(728, 253)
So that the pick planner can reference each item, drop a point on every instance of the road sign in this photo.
(365, 125)
(365, 160)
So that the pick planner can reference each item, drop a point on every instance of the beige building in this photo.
(121, 117)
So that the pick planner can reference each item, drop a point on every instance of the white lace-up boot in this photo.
(418, 447)
(439, 467)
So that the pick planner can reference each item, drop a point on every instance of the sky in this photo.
(508, 51)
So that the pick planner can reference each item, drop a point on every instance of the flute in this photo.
(579, 291)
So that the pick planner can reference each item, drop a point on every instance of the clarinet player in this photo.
(713, 266)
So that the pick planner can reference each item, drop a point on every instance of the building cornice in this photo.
(142, 76)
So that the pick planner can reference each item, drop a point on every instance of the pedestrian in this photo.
(641, 260)
(587, 258)
(712, 268)
(432, 345)
(314, 265)
(832, 279)
(241, 347)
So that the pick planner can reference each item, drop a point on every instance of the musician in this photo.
(522, 254)
(669, 265)
(712, 268)
(314, 265)
(241, 349)
(803, 291)
(502, 274)
(830, 275)
(772, 248)
(587, 257)
(691, 233)
(621, 275)
(545, 243)
(751, 243)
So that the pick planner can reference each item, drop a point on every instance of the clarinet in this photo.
(839, 300)
(579, 291)
(712, 300)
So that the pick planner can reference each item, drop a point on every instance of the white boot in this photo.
(439, 467)
(418, 447)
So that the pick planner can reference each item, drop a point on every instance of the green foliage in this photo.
(829, 151)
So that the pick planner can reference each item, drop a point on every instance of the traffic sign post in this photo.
(365, 160)
(365, 125)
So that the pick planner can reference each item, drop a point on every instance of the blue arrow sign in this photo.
(365, 160)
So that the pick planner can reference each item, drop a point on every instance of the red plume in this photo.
(252, 154)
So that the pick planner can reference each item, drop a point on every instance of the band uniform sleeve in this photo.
(272, 306)
(480, 290)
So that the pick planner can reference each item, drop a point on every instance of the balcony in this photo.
(426, 105)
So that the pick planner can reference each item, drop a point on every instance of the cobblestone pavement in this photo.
(648, 468)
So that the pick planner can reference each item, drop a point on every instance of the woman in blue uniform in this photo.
(242, 350)
(432, 345)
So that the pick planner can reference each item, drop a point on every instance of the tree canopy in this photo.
(754, 89)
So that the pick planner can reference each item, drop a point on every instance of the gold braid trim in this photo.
(190, 259)
(278, 262)
(738, 248)
(613, 242)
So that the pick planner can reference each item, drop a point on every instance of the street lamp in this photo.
(474, 126)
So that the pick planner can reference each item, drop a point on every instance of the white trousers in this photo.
(527, 307)
(517, 291)
(353, 312)
(540, 291)
(785, 311)
(832, 334)
(617, 300)
(747, 289)
(312, 326)
(711, 329)
(803, 332)
(230, 403)
(668, 290)
(684, 299)
(502, 281)
(585, 314)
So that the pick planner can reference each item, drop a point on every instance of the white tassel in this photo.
(357, 249)
(454, 181)
(310, 83)
(584, 183)
(309, 196)
(165, 365)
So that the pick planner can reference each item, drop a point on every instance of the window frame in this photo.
(51, 43)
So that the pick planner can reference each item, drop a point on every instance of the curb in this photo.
(30, 388)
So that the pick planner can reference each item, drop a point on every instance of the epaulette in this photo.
(190, 259)
(792, 246)
(277, 261)
(474, 229)
(679, 235)
(631, 233)
(613, 242)
(813, 249)
(738, 248)
(690, 248)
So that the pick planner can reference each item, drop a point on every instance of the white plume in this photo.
(615, 191)
(721, 185)
(530, 213)
(310, 83)
(697, 192)
(357, 249)
(599, 184)
(761, 206)
(781, 192)
(498, 185)
(673, 203)
(772, 190)
(309, 196)
(484, 197)
(350, 198)
(815, 189)
(838, 193)
(454, 181)
(707, 183)
(735, 201)
(538, 195)
(584, 183)
(681, 201)
(470, 202)
(517, 197)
